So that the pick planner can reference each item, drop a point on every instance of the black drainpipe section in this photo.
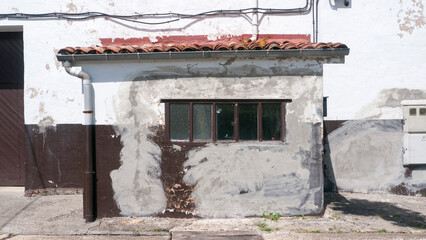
(89, 193)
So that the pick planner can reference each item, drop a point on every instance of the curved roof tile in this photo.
(216, 46)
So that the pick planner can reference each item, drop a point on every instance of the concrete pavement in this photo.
(347, 216)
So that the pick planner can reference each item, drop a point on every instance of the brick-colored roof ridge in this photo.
(210, 46)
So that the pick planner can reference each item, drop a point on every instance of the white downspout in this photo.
(87, 92)
(89, 191)
(255, 22)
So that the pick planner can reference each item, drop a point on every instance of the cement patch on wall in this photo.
(243, 179)
(284, 177)
(366, 156)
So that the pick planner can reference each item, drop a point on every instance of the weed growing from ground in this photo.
(271, 216)
(263, 226)
(160, 230)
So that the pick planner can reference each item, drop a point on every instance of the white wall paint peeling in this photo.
(383, 55)
(385, 40)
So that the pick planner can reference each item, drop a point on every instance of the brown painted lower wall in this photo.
(54, 157)
(55, 160)
(108, 147)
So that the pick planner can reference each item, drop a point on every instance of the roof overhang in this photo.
(193, 55)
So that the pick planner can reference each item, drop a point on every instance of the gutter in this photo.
(89, 189)
(336, 52)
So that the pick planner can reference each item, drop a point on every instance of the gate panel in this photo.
(12, 145)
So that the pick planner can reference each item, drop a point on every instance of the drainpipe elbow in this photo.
(74, 72)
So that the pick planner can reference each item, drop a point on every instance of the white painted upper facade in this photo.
(387, 62)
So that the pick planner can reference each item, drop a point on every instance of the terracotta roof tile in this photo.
(212, 46)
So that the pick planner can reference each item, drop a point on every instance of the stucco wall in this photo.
(366, 156)
(385, 37)
(387, 64)
(226, 179)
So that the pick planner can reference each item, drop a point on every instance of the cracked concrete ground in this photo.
(346, 216)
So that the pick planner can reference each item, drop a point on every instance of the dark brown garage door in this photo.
(11, 109)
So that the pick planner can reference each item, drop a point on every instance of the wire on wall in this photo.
(175, 16)
(159, 18)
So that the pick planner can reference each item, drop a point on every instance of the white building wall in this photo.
(387, 60)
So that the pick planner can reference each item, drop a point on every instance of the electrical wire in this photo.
(135, 17)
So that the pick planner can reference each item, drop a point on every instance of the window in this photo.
(225, 120)
(413, 111)
(422, 112)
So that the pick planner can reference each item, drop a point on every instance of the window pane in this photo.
(422, 112)
(271, 121)
(202, 123)
(247, 114)
(225, 121)
(413, 111)
(179, 121)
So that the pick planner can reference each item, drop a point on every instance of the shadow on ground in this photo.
(387, 211)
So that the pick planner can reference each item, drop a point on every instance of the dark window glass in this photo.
(247, 117)
(225, 121)
(202, 121)
(422, 112)
(179, 121)
(271, 121)
(413, 111)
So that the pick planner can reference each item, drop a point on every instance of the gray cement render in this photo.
(346, 216)
(366, 156)
(284, 177)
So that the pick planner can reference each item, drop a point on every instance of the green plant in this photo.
(382, 231)
(316, 231)
(263, 226)
(271, 216)
(160, 230)
(339, 231)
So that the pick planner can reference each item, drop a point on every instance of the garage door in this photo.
(12, 144)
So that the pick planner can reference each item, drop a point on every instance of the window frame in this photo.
(236, 103)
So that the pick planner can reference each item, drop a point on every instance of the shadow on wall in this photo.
(384, 210)
(329, 178)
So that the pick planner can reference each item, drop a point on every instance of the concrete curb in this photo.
(5, 236)
(130, 233)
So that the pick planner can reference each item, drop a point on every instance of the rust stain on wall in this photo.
(178, 194)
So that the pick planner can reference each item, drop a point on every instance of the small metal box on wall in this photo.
(414, 112)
